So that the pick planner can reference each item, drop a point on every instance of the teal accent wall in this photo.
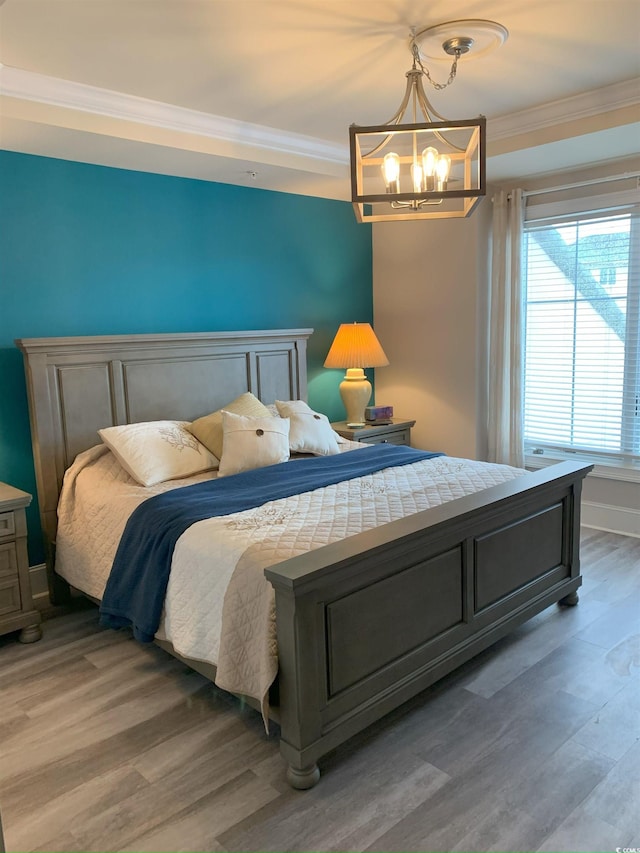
(91, 250)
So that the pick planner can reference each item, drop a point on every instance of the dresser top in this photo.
(12, 498)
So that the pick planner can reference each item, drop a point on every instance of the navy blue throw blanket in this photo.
(135, 592)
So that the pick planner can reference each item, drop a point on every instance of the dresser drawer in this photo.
(8, 560)
(9, 596)
(7, 524)
(17, 612)
(395, 437)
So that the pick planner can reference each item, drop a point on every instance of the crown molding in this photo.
(566, 110)
(52, 91)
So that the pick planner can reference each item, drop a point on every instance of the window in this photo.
(582, 336)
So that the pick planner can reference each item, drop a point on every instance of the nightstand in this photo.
(17, 612)
(396, 432)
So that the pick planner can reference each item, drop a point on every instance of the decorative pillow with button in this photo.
(250, 443)
(208, 429)
(310, 431)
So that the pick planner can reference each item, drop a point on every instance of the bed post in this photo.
(298, 678)
(572, 599)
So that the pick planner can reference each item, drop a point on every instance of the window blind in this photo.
(582, 334)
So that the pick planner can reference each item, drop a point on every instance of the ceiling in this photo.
(262, 92)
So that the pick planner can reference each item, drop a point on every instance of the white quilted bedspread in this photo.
(98, 496)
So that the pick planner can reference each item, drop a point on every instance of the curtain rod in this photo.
(624, 177)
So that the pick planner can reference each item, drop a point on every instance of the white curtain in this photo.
(506, 332)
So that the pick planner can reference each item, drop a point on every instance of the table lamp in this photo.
(355, 347)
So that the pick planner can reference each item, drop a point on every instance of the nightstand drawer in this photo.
(395, 437)
(8, 560)
(7, 524)
(9, 596)
(17, 612)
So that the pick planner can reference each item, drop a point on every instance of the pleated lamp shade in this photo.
(355, 347)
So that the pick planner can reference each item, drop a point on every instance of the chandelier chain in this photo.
(425, 70)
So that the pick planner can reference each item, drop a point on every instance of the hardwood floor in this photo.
(106, 744)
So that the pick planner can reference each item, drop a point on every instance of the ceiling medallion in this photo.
(485, 36)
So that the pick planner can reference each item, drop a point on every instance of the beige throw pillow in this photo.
(208, 429)
(310, 431)
(155, 451)
(252, 443)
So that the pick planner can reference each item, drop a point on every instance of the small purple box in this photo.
(378, 413)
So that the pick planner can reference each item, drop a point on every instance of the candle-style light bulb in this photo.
(429, 160)
(443, 167)
(391, 172)
(416, 177)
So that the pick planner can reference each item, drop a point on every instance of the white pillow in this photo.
(250, 443)
(155, 451)
(208, 429)
(310, 431)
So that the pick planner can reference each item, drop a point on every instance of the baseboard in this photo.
(614, 519)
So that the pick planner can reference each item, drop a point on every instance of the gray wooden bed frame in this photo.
(365, 623)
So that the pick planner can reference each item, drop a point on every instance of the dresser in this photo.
(396, 432)
(17, 612)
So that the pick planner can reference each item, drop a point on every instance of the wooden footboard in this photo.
(366, 623)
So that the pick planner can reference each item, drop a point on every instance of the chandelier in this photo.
(430, 167)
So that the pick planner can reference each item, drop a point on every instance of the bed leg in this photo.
(304, 778)
(570, 600)
(59, 591)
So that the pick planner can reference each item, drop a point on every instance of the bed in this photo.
(364, 622)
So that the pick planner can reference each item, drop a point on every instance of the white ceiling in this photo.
(223, 89)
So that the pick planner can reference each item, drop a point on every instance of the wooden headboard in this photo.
(77, 386)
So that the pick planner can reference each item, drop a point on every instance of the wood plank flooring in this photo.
(109, 745)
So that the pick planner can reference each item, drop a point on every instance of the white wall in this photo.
(428, 287)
